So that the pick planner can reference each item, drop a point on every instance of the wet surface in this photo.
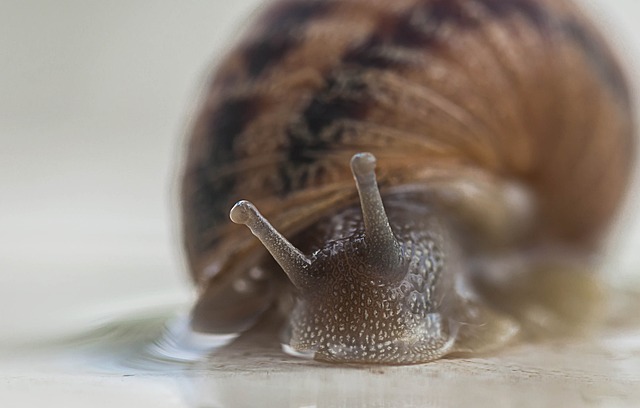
(128, 362)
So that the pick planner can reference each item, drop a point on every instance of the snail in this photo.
(491, 143)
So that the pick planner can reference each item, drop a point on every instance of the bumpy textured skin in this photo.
(350, 314)
(445, 93)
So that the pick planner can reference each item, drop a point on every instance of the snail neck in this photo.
(418, 230)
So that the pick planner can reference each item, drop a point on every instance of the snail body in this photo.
(491, 142)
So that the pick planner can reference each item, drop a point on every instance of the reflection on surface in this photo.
(180, 344)
(603, 370)
(125, 357)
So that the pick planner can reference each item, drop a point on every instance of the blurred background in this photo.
(95, 99)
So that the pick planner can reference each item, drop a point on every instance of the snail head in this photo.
(370, 297)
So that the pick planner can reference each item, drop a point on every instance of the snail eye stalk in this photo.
(291, 260)
(383, 249)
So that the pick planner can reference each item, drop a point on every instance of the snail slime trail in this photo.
(431, 177)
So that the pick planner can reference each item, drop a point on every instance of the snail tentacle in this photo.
(290, 259)
(383, 249)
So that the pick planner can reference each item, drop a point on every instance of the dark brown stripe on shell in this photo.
(282, 33)
(345, 96)
(421, 28)
(599, 57)
(529, 9)
(210, 201)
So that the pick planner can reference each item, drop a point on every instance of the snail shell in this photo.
(502, 139)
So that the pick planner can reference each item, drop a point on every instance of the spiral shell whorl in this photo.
(445, 93)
